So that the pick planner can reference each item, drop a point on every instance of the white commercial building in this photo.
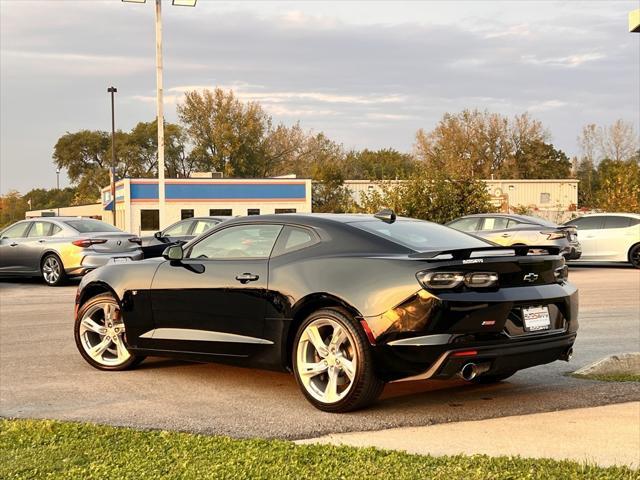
(137, 209)
(538, 196)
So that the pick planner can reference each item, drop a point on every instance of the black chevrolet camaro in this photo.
(345, 302)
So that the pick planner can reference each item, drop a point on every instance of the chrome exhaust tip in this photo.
(568, 355)
(469, 371)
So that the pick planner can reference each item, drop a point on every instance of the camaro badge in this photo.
(473, 260)
(530, 277)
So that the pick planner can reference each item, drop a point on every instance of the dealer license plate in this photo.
(536, 319)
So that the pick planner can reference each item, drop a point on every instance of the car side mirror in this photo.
(173, 253)
(158, 234)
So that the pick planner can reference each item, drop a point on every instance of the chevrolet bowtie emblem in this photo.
(530, 277)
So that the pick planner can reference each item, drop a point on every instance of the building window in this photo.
(545, 197)
(285, 210)
(184, 214)
(220, 212)
(253, 211)
(149, 219)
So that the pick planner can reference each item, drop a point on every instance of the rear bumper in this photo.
(424, 336)
(446, 361)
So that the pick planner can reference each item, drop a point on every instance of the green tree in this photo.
(227, 135)
(619, 186)
(41, 198)
(537, 159)
(430, 195)
(481, 144)
(12, 208)
(380, 164)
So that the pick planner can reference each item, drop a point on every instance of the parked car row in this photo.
(608, 237)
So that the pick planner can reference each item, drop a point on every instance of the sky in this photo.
(368, 74)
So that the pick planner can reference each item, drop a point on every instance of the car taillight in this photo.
(442, 280)
(137, 240)
(561, 274)
(481, 279)
(87, 242)
(554, 235)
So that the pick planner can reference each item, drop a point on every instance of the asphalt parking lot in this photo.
(43, 376)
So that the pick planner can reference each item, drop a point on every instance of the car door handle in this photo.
(41, 241)
(14, 244)
(247, 277)
(505, 235)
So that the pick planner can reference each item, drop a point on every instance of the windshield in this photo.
(88, 225)
(420, 235)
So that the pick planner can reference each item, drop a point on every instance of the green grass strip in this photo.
(611, 377)
(45, 449)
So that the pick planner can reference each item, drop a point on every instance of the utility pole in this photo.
(112, 91)
(160, 117)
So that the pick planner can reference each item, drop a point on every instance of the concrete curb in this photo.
(621, 363)
(606, 436)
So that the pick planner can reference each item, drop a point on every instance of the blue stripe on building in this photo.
(220, 191)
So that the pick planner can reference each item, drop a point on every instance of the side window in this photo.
(202, 226)
(40, 229)
(294, 238)
(465, 224)
(179, 229)
(55, 229)
(17, 231)
(511, 223)
(241, 241)
(587, 223)
(616, 222)
(494, 223)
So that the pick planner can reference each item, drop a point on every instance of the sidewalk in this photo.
(608, 435)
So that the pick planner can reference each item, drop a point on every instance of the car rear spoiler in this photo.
(468, 253)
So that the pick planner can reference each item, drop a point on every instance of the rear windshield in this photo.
(87, 225)
(421, 236)
(538, 221)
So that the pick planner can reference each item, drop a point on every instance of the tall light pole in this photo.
(112, 91)
(57, 186)
(160, 102)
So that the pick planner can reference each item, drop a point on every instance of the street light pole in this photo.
(112, 91)
(160, 116)
(159, 101)
(58, 185)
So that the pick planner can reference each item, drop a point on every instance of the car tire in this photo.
(52, 270)
(634, 256)
(100, 335)
(333, 362)
(488, 379)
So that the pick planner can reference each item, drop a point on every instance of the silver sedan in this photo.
(62, 247)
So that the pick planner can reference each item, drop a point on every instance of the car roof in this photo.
(522, 218)
(616, 214)
(311, 219)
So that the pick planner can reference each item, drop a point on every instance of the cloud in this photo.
(574, 60)
(547, 105)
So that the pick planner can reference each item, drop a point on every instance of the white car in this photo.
(609, 237)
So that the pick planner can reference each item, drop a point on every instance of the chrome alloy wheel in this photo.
(101, 335)
(51, 269)
(326, 360)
